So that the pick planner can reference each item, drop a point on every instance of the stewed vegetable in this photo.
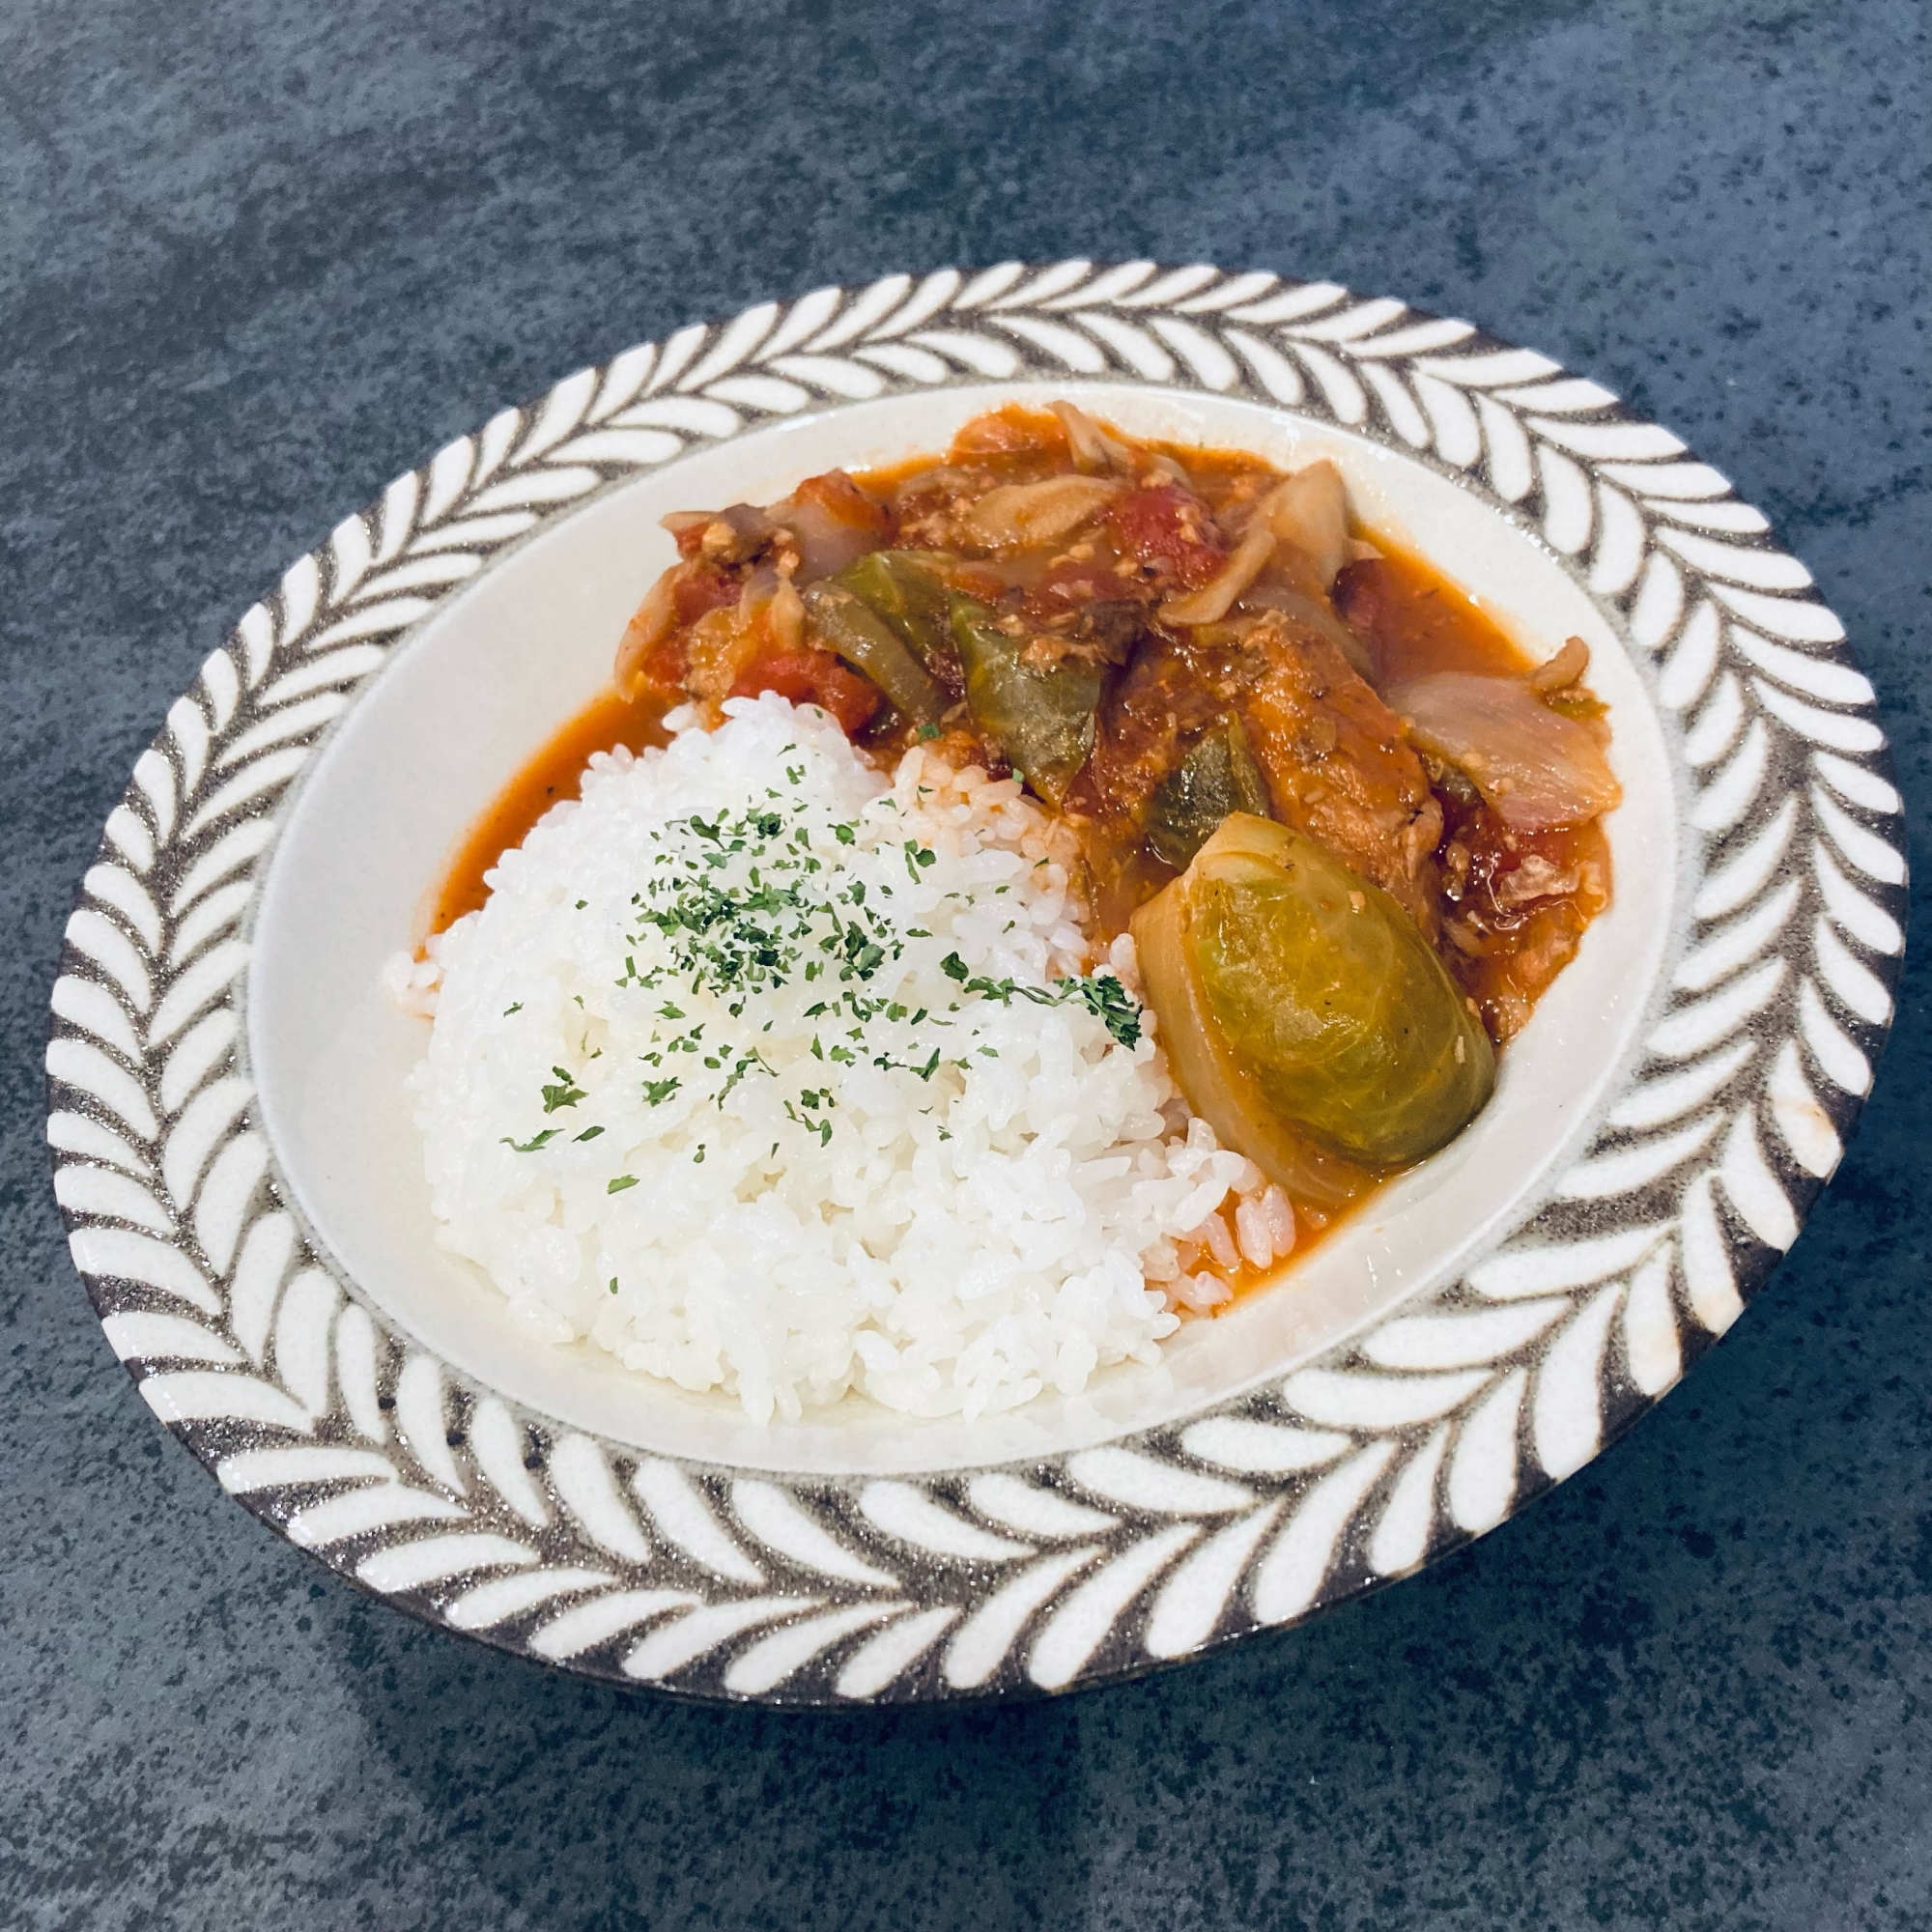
(1538, 768)
(1325, 1009)
(850, 627)
(1219, 776)
(910, 591)
(1037, 708)
(1355, 834)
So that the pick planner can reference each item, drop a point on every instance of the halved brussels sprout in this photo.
(1300, 1006)
(1217, 777)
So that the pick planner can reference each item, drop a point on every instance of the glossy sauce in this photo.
(1417, 622)
(1426, 625)
(1413, 620)
(554, 774)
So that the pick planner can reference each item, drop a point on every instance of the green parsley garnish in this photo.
(1102, 995)
(738, 904)
(565, 1092)
(1110, 1002)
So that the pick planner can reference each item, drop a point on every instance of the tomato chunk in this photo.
(1170, 529)
(841, 500)
(1013, 431)
(700, 588)
(812, 677)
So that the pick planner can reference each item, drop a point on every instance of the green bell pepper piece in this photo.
(1042, 716)
(1218, 776)
(848, 625)
(908, 590)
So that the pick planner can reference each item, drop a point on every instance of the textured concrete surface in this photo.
(257, 257)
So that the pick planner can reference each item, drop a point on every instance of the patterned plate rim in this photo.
(1401, 1443)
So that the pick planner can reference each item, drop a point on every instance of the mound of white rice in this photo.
(769, 1077)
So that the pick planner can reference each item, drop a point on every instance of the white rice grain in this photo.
(950, 1201)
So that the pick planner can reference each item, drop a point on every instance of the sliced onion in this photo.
(1156, 468)
(1093, 449)
(1311, 512)
(1214, 600)
(786, 617)
(720, 645)
(656, 620)
(827, 542)
(1018, 513)
(1207, 1072)
(1569, 666)
(1538, 768)
(731, 534)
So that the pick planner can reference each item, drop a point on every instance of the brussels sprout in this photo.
(1217, 776)
(1306, 1007)
(1039, 715)
(1207, 1071)
(1328, 993)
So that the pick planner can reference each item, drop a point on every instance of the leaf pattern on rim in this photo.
(1425, 1431)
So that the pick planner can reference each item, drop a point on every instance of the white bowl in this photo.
(243, 1178)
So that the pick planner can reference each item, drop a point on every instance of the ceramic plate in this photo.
(234, 1156)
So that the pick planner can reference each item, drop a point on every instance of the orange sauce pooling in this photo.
(1428, 625)
(553, 775)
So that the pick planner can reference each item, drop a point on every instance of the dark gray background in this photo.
(260, 257)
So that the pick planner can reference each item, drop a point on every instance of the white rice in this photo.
(1013, 1200)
